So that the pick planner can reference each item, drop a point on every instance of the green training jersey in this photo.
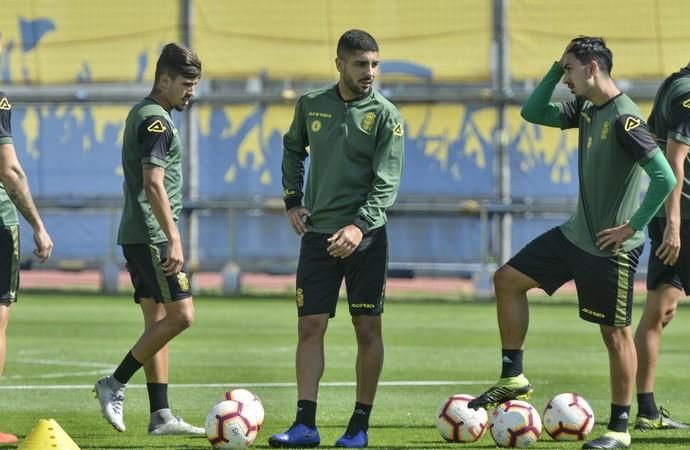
(8, 213)
(356, 152)
(670, 119)
(150, 138)
(614, 142)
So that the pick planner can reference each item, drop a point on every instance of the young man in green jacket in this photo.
(355, 140)
(599, 246)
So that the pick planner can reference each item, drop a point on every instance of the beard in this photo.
(356, 88)
(186, 105)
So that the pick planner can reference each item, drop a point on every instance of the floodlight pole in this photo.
(503, 93)
(190, 139)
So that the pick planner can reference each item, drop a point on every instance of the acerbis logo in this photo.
(631, 123)
(156, 127)
(593, 313)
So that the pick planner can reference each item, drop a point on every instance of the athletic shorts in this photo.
(149, 281)
(604, 283)
(678, 274)
(9, 263)
(319, 275)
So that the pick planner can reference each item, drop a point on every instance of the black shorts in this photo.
(149, 281)
(9, 263)
(319, 275)
(604, 283)
(678, 274)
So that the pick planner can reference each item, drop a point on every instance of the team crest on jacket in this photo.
(368, 121)
(4, 104)
(316, 126)
(686, 103)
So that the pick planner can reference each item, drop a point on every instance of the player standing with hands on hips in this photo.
(150, 240)
(355, 137)
(599, 246)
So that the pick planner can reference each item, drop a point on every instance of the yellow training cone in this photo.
(48, 435)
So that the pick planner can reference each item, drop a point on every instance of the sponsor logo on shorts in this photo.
(183, 282)
(364, 305)
(593, 313)
(299, 297)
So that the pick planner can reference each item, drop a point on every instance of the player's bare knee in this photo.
(183, 319)
(367, 335)
(505, 280)
(615, 338)
(311, 327)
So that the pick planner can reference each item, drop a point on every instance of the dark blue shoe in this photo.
(298, 436)
(359, 440)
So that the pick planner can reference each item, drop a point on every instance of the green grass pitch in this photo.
(59, 345)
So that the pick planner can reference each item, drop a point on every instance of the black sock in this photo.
(158, 396)
(126, 369)
(306, 413)
(619, 418)
(359, 420)
(512, 363)
(646, 405)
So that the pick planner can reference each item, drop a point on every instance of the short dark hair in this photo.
(176, 60)
(356, 40)
(591, 48)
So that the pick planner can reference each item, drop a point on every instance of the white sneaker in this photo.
(175, 426)
(112, 401)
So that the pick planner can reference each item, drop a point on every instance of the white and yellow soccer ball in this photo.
(231, 425)
(515, 423)
(568, 417)
(249, 399)
(458, 423)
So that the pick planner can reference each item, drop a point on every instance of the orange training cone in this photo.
(48, 435)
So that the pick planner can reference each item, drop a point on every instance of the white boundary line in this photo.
(20, 387)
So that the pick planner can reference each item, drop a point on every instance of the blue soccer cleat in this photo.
(359, 440)
(298, 436)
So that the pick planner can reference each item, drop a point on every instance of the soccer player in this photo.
(150, 240)
(600, 244)
(668, 272)
(355, 137)
(14, 195)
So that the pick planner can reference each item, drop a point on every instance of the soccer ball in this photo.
(515, 423)
(458, 423)
(568, 417)
(252, 402)
(231, 425)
